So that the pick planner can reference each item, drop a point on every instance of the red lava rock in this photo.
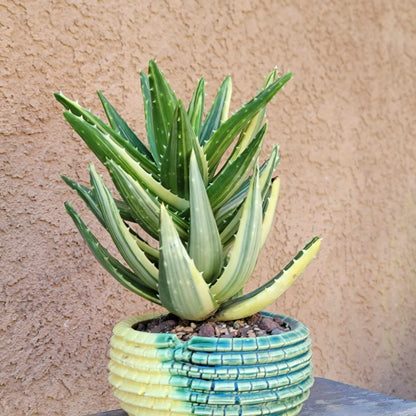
(279, 321)
(267, 324)
(243, 331)
(207, 330)
(170, 323)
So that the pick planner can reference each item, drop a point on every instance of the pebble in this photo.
(268, 324)
(242, 332)
(207, 330)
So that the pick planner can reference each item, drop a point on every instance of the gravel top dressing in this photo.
(253, 326)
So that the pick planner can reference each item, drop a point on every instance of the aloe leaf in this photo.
(148, 113)
(228, 234)
(86, 118)
(267, 174)
(121, 235)
(101, 144)
(164, 102)
(121, 273)
(202, 161)
(88, 196)
(151, 252)
(218, 112)
(265, 295)
(90, 199)
(204, 242)
(230, 219)
(175, 162)
(220, 141)
(270, 78)
(75, 108)
(182, 288)
(121, 127)
(228, 231)
(196, 107)
(271, 203)
(227, 183)
(144, 207)
(229, 209)
(250, 131)
(244, 254)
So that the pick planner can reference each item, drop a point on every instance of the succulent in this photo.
(194, 206)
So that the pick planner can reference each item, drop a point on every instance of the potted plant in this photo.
(204, 208)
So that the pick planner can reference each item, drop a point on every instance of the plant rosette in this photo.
(192, 209)
(159, 375)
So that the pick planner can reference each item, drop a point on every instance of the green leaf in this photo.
(218, 112)
(228, 210)
(121, 127)
(265, 295)
(78, 110)
(89, 198)
(246, 248)
(174, 170)
(228, 233)
(250, 131)
(267, 174)
(121, 235)
(229, 180)
(202, 161)
(151, 252)
(121, 273)
(196, 107)
(101, 144)
(88, 120)
(204, 243)
(148, 113)
(182, 288)
(163, 102)
(144, 207)
(270, 209)
(220, 141)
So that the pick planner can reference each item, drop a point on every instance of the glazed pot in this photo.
(159, 375)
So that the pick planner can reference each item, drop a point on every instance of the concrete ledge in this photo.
(331, 398)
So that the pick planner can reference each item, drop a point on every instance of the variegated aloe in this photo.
(196, 188)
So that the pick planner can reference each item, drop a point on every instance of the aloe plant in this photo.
(202, 204)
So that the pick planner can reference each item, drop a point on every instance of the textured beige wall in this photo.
(346, 126)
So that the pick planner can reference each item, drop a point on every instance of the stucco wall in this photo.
(346, 127)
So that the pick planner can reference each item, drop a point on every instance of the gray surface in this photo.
(330, 398)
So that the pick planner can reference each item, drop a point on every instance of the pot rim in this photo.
(124, 329)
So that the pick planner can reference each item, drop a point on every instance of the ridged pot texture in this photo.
(159, 375)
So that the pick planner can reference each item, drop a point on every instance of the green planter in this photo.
(157, 374)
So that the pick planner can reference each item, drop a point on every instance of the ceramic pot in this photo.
(159, 375)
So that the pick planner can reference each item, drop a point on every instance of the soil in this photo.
(253, 326)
